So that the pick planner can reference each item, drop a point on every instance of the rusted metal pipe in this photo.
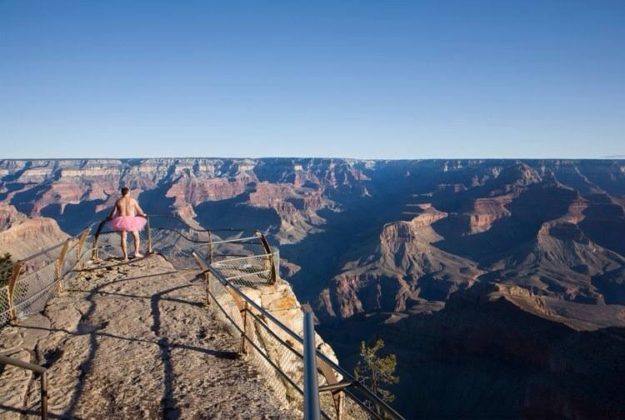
(58, 269)
(6, 360)
(269, 252)
(245, 330)
(149, 229)
(44, 395)
(210, 248)
(15, 274)
(96, 236)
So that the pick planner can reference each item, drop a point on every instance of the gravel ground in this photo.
(132, 341)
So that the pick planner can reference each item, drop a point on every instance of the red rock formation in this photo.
(30, 236)
(488, 210)
(192, 190)
(368, 244)
(9, 216)
(405, 267)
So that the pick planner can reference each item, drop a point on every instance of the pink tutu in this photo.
(128, 223)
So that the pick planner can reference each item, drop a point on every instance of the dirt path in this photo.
(132, 341)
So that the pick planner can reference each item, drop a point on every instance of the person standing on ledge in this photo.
(129, 217)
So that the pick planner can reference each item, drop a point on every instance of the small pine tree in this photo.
(376, 371)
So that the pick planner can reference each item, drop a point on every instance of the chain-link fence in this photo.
(257, 342)
(247, 271)
(4, 306)
(238, 260)
(278, 352)
(233, 261)
(105, 243)
(178, 247)
(31, 282)
(33, 290)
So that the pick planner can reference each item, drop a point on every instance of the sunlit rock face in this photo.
(368, 235)
(30, 236)
(294, 190)
(386, 244)
(9, 216)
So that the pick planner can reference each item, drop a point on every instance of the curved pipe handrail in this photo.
(197, 241)
(258, 239)
(100, 226)
(346, 375)
(390, 410)
(180, 219)
(6, 360)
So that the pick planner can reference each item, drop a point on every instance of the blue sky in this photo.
(364, 79)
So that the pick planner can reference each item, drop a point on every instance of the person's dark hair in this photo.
(124, 191)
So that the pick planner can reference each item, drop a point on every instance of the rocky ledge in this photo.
(133, 341)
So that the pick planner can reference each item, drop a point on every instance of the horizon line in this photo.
(610, 157)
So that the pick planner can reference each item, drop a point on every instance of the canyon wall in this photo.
(377, 247)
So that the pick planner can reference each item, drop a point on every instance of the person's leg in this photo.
(124, 246)
(137, 238)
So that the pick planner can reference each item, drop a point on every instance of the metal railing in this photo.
(280, 353)
(5, 360)
(32, 281)
(312, 409)
(230, 260)
(177, 241)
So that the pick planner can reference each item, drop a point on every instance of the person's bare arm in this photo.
(139, 210)
(113, 211)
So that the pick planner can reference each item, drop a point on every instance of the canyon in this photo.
(499, 284)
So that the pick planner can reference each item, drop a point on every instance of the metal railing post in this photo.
(269, 252)
(311, 385)
(6, 360)
(149, 229)
(339, 404)
(208, 287)
(96, 236)
(81, 242)
(58, 265)
(210, 248)
(198, 261)
(15, 274)
(44, 395)
(245, 329)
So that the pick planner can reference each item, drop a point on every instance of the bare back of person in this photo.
(127, 206)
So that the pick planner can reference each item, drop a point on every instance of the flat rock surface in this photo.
(132, 341)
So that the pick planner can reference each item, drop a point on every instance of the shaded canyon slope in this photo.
(396, 249)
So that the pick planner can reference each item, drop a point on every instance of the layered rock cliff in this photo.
(376, 242)
(30, 236)
(500, 351)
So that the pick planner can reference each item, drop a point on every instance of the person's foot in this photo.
(138, 255)
(125, 259)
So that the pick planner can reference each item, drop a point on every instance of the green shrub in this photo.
(375, 371)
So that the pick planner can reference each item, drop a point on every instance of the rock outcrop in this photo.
(279, 300)
(9, 216)
(30, 236)
(404, 269)
(133, 341)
